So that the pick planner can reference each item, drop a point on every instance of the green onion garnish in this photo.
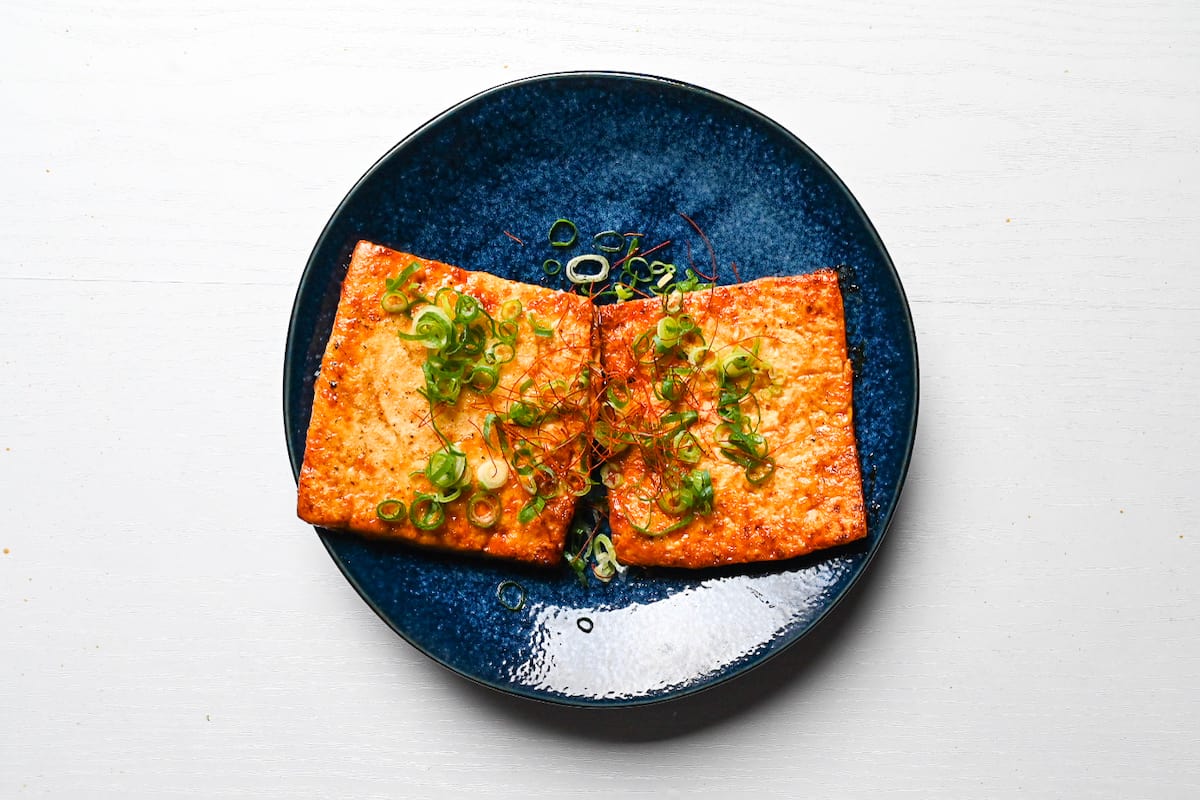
(390, 511)
(601, 269)
(683, 523)
(507, 331)
(605, 554)
(525, 414)
(552, 266)
(483, 509)
(431, 327)
(492, 473)
(609, 242)
(563, 233)
(426, 512)
(483, 378)
(395, 302)
(511, 595)
(466, 309)
(539, 329)
(446, 467)
(510, 309)
(530, 510)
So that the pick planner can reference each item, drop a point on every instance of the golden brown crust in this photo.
(814, 499)
(370, 428)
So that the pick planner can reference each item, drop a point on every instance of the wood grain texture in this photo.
(167, 628)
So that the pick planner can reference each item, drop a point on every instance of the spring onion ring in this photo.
(560, 225)
(426, 512)
(483, 509)
(603, 242)
(492, 473)
(391, 511)
(577, 277)
(509, 588)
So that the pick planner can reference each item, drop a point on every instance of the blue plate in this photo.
(633, 153)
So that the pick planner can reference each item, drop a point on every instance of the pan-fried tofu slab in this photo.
(728, 416)
(451, 409)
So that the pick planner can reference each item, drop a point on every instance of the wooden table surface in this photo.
(169, 628)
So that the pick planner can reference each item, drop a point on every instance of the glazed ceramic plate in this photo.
(479, 186)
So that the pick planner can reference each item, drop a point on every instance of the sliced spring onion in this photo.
(445, 298)
(394, 284)
(609, 242)
(446, 467)
(390, 511)
(609, 476)
(511, 595)
(672, 300)
(483, 509)
(698, 355)
(525, 414)
(489, 424)
(686, 447)
(500, 353)
(670, 388)
(683, 523)
(624, 293)
(578, 482)
(618, 394)
(395, 302)
(510, 309)
(466, 308)
(601, 268)
(426, 512)
(636, 268)
(545, 331)
(700, 483)
(676, 501)
(395, 299)
(530, 510)
(483, 378)
(507, 330)
(552, 266)
(431, 327)
(492, 473)
(442, 385)
(563, 233)
(738, 363)
(758, 473)
(667, 334)
(605, 554)
(681, 419)
(692, 282)
(449, 495)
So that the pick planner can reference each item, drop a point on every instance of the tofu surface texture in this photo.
(371, 431)
(801, 406)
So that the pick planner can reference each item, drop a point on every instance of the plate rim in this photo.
(889, 513)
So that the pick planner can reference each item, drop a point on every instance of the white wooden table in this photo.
(168, 628)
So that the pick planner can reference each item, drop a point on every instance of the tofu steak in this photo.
(467, 419)
(728, 417)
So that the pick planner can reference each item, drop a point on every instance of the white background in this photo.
(168, 628)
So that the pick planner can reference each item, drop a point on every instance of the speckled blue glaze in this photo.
(626, 152)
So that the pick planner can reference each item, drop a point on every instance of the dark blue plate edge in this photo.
(291, 364)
